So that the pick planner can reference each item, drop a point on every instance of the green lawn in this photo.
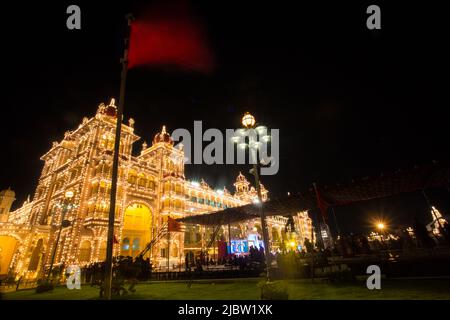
(246, 289)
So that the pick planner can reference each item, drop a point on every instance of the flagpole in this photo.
(115, 167)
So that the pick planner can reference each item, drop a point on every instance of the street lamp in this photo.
(381, 226)
(248, 121)
(67, 198)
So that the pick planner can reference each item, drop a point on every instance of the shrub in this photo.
(44, 286)
(276, 290)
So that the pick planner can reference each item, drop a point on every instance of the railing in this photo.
(8, 285)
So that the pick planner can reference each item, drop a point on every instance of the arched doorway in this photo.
(102, 251)
(36, 256)
(136, 232)
(8, 246)
(85, 251)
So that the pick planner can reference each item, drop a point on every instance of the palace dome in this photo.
(162, 136)
(7, 193)
(110, 110)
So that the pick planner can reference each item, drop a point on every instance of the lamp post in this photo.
(248, 121)
(380, 227)
(67, 197)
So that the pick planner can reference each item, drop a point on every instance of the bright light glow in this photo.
(256, 200)
(242, 145)
(235, 139)
(255, 144)
(292, 243)
(261, 129)
(265, 138)
(195, 184)
(255, 229)
(248, 120)
(219, 192)
(69, 194)
(380, 225)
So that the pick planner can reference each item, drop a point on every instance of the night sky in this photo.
(349, 102)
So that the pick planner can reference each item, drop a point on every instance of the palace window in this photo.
(85, 251)
(126, 244)
(136, 245)
(142, 182)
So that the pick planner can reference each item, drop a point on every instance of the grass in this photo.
(246, 289)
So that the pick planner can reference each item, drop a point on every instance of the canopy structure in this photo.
(402, 181)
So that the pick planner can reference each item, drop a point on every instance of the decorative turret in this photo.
(162, 137)
(144, 147)
(7, 197)
(246, 192)
(204, 185)
(241, 184)
(110, 110)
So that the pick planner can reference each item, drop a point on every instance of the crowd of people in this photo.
(132, 270)
(400, 239)
(124, 269)
(253, 260)
(347, 246)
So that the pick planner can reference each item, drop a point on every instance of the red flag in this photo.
(169, 35)
(174, 225)
(323, 206)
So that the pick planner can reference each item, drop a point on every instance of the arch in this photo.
(85, 251)
(132, 176)
(151, 183)
(141, 180)
(102, 251)
(125, 247)
(137, 225)
(174, 249)
(275, 235)
(36, 256)
(136, 247)
(8, 247)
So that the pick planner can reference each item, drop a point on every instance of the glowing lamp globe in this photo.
(380, 226)
(68, 194)
(248, 120)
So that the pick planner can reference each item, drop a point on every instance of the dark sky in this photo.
(349, 102)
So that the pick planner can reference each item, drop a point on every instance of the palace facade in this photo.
(151, 187)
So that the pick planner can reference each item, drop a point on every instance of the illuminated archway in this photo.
(8, 246)
(102, 251)
(36, 256)
(136, 232)
(85, 251)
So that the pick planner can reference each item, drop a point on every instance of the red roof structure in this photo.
(433, 175)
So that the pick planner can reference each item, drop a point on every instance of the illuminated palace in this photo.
(151, 187)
